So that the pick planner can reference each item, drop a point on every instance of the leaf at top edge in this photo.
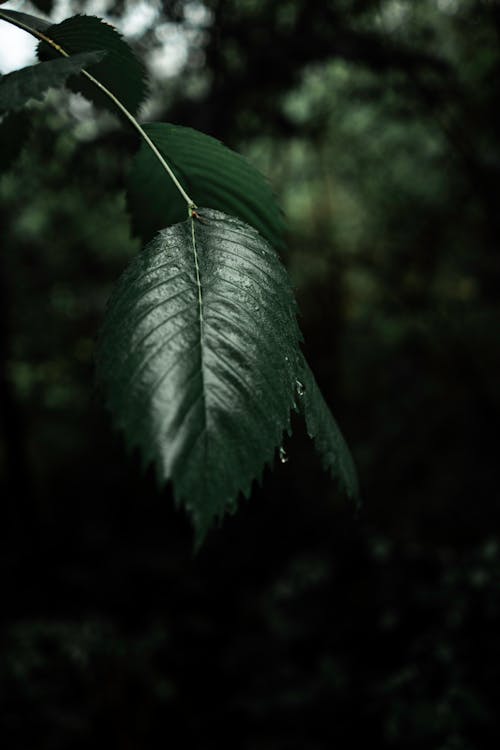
(121, 71)
(14, 131)
(32, 82)
(212, 174)
(24, 21)
(323, 429)
(201, 376)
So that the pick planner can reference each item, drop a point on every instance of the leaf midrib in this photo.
(201, 333)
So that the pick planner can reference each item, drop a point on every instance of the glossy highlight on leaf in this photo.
(213, 175)
(33, 82)
(199, 355)
(121, 71)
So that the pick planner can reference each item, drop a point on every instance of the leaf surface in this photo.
(323, 429)
(121, 71)
(32, 82)
(212, 174)
(199, 355)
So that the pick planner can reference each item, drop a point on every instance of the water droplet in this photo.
(301, 389)
(283, 455)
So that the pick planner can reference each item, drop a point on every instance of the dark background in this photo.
(301, 624)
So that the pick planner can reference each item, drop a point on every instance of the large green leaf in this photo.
(24, 21)
(212, 175)
(121, 72)
(32, 82)
(327, 437)
(199, 356)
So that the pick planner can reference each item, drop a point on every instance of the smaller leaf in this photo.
(121, 72)
(24, 21)
(32, 82)
(211, 173)
(323, 429)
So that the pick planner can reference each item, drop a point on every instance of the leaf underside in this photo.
(204, 389)
(323, 429)
(212, 174)
(121, 71)
(32, 82)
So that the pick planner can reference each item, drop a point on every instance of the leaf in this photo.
(198, 355)
(14, 130)
(24, 21)
(121, 72)
(32, 82)
(328, 439)
(211, 173)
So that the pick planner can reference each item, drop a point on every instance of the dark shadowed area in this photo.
(301, 624)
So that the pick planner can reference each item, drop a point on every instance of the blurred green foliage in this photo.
(300, 625)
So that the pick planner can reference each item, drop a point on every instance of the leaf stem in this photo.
(130, 117)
